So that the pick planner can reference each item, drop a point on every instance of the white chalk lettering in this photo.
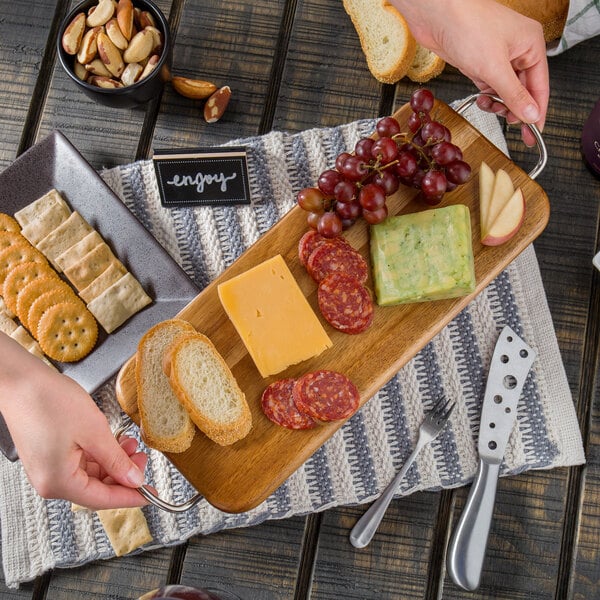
(200, 180)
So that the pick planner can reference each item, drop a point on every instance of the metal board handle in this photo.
(539, 140)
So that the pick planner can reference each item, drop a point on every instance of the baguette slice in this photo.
(385, 38)
(164, 422)
(207, 389)
(425, 66)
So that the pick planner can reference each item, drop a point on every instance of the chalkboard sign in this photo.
(202, 176)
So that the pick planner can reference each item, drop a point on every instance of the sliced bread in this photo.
(385, 38)
(164, 422)
(206, 387)
(552, 14)
(425, 66)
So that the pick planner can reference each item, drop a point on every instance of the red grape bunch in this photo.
(423, 158)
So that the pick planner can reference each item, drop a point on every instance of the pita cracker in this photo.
(7, 324)
(77, 251)
(119, 302)
(111, 275)
(67, 234)
(46, 221)
(126, 528)
(4, 308)
(32, 211)
(94, 263)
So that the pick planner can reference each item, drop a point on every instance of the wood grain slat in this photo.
(23, 35)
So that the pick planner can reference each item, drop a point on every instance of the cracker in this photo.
(19, 276)
(119, 302)
(15, 255)
(71, 255)
(7, 324)
(67, 234)
(111, 275)
(21, 335)
(45, 222)
(4, 308)
(7, 223)
(126, 528)
(33, 210)
(67, 333)
(32, 291)
(94, 263)
(9, 239)
(46, 301)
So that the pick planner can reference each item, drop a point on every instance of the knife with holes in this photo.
(510, 365)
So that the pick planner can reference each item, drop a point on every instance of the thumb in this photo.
(115, 461)
(517, 98)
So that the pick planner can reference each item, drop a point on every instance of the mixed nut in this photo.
(116, 45)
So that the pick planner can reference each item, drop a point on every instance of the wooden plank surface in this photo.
(310, 71)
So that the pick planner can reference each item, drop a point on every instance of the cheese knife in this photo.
(511, 362)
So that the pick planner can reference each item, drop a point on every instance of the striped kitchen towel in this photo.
(360, 459)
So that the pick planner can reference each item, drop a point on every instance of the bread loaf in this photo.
(552, 14)
(207, 389)
(164, 422)
(385, 38)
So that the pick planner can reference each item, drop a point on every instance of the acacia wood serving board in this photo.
(239, 477)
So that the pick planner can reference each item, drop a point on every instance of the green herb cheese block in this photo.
(421, 256)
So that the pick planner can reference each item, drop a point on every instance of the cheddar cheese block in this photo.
(423, 256)
(275, 321)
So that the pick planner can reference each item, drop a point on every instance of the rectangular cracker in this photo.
(93, 264)
(77, 251)
(67, 234)
(46, 221)
(119, 302)
(7, 324)
(126, 528)
(111, 275)
(33, 210)
(4, 308)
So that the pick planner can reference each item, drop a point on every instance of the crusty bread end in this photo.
(164, 422)
(207, 389)
(385, 38)
(425, 66)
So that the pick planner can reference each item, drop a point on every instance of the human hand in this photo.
(501, 51)
(64, 441)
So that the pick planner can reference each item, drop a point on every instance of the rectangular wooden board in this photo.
(239, 477)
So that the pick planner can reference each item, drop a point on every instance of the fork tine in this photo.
(449, 411)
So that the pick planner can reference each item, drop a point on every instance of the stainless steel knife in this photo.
(511, 362)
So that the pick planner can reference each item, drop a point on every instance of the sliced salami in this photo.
(311, 240)
(326, 395)
(337, 258)
(345, 303)
(278, 405)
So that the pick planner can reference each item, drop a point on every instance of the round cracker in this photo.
(9, 239)
(47, 300)
(8, 223)
(15, 255)
(66, 332)
(33, 290)
(19, 276)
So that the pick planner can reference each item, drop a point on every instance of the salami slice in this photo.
(326, 395)
(345, 303)
(311, 240)
(337, 258)
(278, 405)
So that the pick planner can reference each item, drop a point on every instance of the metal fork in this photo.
(435, 420)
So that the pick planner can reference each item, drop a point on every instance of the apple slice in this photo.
(507, 221)
(486, 185)
(501, 194)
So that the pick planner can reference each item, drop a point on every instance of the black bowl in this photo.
(131, 95)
